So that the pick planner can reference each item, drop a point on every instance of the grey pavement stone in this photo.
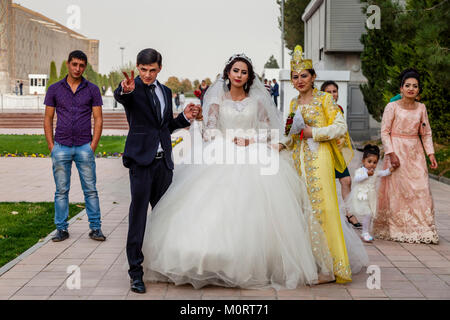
(407, 271)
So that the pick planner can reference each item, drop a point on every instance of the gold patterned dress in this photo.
(317, 166)
(405, 207)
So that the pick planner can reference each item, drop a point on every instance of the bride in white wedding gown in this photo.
(230, 224)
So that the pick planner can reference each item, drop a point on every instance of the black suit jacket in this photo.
(146, 131)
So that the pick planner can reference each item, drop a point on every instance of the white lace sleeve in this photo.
(263, 125)
(384, 173)
(360, 175)
(211, 125)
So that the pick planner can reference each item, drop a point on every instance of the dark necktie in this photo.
(155, 100)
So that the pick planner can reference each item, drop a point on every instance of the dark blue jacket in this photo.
(275, 91)
(146, 131)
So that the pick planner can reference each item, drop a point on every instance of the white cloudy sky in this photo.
(195, 37)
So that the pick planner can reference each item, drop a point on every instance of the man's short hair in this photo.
(78, 54)
(149, 56)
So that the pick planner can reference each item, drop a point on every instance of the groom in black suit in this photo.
(148, 149)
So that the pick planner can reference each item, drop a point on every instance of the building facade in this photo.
(29, 41)
(333, 29)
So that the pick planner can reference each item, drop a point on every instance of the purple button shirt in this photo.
(73, 110)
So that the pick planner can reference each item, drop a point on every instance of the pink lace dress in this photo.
(405, 210)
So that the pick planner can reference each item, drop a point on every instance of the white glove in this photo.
(298, 123)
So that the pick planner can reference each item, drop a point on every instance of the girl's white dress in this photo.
(362, 200)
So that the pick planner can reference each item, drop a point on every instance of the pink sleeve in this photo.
(386, 125)
(425, 132)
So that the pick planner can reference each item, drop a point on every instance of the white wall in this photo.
(342, 79)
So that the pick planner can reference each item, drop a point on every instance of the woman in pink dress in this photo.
(405, 206)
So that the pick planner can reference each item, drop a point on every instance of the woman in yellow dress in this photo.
(317, 153)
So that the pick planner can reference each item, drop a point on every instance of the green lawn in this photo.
(36, 144)
(20, 231)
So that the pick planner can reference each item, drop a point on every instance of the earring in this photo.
(246, 86)
(227, 81)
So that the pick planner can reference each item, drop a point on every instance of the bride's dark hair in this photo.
(251, 73)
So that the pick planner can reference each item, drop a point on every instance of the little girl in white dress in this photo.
(362, 200)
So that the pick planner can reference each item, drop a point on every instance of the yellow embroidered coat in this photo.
(317, 166)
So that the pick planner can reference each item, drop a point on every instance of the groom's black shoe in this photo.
(137, 285)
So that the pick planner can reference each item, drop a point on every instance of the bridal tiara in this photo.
(239, 55)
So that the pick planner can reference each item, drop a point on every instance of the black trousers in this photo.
(148, 184)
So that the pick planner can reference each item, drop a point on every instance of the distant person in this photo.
(16, 88)
(344, 178)
(268, 87)
(74, 99)
(182, 100)
(21, 88)
(275, 91)
(203, 88)
(177, 100)
(103, 90)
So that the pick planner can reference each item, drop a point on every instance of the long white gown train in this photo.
(229, 225)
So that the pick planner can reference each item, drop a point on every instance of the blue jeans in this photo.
(62, 157)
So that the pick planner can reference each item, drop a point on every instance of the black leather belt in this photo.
(159, 155)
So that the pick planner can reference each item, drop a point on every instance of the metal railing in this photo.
(35, 103)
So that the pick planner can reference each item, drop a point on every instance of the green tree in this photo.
(53, 75)
(377, 55)
(294, 30)
(424, 45)
(196, 83)
(272, 63)
(91, 75)
(186, 85)
(417, 38)
(63, 71)
(174, 84)
(116, 76)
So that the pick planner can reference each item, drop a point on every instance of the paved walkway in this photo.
(408, 271)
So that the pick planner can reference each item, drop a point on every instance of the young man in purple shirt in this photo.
(74, 99)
